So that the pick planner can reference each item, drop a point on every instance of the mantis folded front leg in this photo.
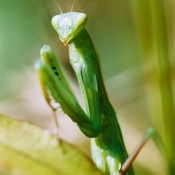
(99, 122)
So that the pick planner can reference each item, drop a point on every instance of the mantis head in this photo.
(68, 25)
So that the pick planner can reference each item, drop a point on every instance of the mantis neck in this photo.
(82, 51)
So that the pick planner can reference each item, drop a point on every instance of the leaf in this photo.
(26, 149)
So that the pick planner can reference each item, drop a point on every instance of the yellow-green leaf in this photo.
(28, 150)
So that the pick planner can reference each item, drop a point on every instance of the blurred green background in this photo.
(115, 27)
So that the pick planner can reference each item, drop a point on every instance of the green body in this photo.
(99, 122)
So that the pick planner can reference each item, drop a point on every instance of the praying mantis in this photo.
(99, 122)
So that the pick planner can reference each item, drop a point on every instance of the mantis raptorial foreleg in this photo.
(99, 122)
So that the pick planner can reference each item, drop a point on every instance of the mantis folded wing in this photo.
(99, 122)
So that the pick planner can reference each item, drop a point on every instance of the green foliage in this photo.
(26, 149)
(155, 21)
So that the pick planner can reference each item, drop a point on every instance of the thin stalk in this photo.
(156, 34)
(164, 81)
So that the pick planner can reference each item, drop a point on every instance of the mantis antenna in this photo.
(58, 6)
(72, 6)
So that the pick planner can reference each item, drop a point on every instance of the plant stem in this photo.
(157, 43)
